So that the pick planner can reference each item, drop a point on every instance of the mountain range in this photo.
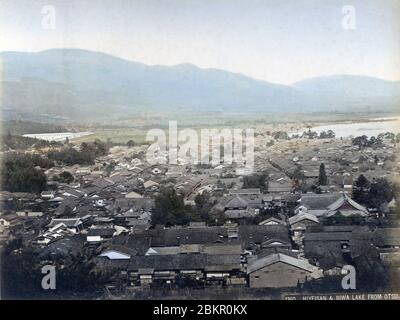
(80, 84)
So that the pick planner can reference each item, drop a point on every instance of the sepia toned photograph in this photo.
(218, 151)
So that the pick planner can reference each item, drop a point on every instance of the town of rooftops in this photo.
(310, 207)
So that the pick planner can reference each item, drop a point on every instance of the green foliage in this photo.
(86, 156)
(203, 207)
(21, 274)
(97, 147)
(298, 173)
(109, 167)
(18, 173)
(387, 135)
(78, 275)
(255, 181)
(65, 177)
(309, 134)
(71, 156)
(280, 135)
(381, 191)
(131, 143)
(19, 127)
(322, 178)
(11, 142)
(270, 143)
(170, 209)
(327, 134)
(363, 141)
(372, 194)
(361, 190)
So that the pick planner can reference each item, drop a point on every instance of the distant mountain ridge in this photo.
(84, 84)
(355, 86)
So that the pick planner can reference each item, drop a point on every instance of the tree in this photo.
(203, 206)
(331, 134)
(21, 276)
(280, 135)
(361, 189)
(380, 191)
(361, 141)
(255, 181)
(309, 134)
(170, 209)
(78, 275)
(130, 143)
(327, 134)
(387, 135)
(86, 155)
(270, 143)
(66, 177)
(322, 179)
(19, 173)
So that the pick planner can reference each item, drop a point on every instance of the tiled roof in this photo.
(280, 257)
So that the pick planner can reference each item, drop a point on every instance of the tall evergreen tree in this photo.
(361, 190)
(322, 179)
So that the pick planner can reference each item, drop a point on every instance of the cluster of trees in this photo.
(70, 156)
(64, 177)
(394, 138)
(372, 194)
(19, 127)
(371, 276)
(314, 134)
(85, 156)
(299, 178)
(23, 172)
(327, 134)
(170, 209)
(204, 203)
(280, 135)
(97, 147)
(21, 277)
(363, 141)
(20, 173)
(10, 142)
(255, 181)
(13, 142)
(22, 274)
(322, 135)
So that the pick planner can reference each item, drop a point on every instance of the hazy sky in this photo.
(280, 41)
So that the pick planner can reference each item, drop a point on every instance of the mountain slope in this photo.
(94, 79)
(348, 85)
(84, 84)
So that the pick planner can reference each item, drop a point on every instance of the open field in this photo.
(121, 132)
(118, 135)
